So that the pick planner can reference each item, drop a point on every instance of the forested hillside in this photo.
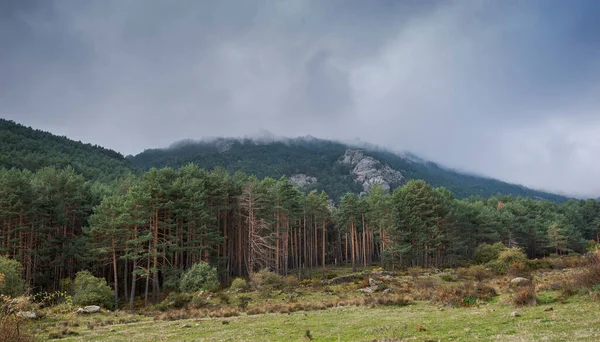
(320, 159)
(27, 148)
(142, 232)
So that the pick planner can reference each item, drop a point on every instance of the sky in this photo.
(507, 89)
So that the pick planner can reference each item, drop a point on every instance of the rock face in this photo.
(520, 281)
(300, 180)
(369, 171)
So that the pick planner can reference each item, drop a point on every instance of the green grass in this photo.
(575, 320)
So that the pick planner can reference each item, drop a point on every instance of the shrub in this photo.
(239, 285)
(497, 267)
(519, 269)
(199, 302)
(291, 281)
(462, 273)
(447, 277)
(414, 271)
(466, 294)
(538, 264)
(11, 283)
(89, 290)
(177, 300)
(200, 276)
(589, 276)
(510, 255)
(479, 273)
(485, 253)
(12, 327)
(223, 298)
(243, 302)
(524, 296)
(265, 278)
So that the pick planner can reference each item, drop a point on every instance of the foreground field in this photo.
(575, 320)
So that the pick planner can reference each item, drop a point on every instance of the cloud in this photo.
(505, 89)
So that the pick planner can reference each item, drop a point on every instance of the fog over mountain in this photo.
(506, 89)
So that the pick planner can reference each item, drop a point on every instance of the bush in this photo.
(177, 300)
(485, 253)
(265, 278)
(199, 302)
(589, 276)
(524, 296)
(447, 277)
(479, 273)
(200, 276)
(414, 271)
(11, 283)
(89, 290)
(538, 264)
(519, 269)
(466, 294)
(291, 281)
(239, 285)
(497, 267)
(511, 255)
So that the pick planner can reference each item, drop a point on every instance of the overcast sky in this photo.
(507, 89)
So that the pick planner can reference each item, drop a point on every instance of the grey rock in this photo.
(520, 281)
(91, 309)
(79, 311)
(386, 291)
(515, 314)
(369, 289)
(186, 326)
(30, 314)
(368, 171)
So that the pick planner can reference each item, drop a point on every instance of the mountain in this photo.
(27, 148)
(327, 165)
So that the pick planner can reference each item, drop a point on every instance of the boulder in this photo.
(30, 314)
(520, 281)
(80, 311)
(91, 309)
(386, 291)
(369, 289)
(186, 326)
(515, 314)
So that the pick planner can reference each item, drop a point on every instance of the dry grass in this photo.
(465, 294)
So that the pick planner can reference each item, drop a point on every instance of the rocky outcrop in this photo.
(300, 180)
(368, 171)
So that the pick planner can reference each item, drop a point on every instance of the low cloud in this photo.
(505, 89)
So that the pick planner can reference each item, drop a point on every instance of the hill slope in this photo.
(27, 148)
(326, 165)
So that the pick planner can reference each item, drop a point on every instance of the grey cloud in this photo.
(506, 89)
